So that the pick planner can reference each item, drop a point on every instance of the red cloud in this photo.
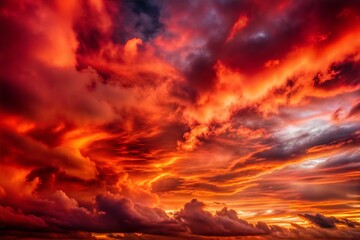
(114, 113)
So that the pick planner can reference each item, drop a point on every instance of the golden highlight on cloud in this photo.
(153, 119)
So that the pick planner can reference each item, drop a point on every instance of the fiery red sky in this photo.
(189, 119)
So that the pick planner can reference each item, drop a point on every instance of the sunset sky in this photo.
(181, 119)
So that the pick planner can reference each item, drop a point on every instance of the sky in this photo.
(191, 119)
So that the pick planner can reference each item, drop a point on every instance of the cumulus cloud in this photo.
(117, 214)
(223, 223)
(16, 220)
(122, 215)
(114, 113)
(110, 213)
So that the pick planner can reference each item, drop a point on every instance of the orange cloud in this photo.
(115, 114)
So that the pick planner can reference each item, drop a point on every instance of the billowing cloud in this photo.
(116, 214)
(114, 114)
(223, 223)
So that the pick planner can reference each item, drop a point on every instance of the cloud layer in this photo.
(115, 114)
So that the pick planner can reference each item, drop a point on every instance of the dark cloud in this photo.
(60, 215)
(201, 73)
(129, 19)
(270, 33)
(328, 222)
(96, 96)
(284, 150)
(15, 99)
(63, 235)
(12, 220)
(340, 74)
(47, 178)
(300, 144)
(113, 214)
(145, 19)
(122, 215)
(341, 163)
(320, 220)
(223, 223)
(308, 185)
